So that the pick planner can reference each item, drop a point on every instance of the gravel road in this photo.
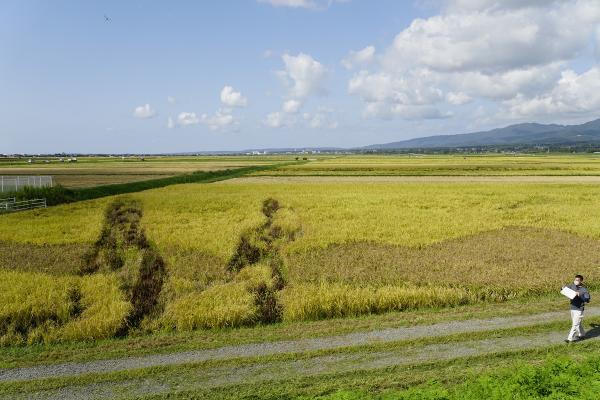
(286, 369)
(291, 346)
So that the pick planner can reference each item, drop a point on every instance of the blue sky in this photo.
(230, 75)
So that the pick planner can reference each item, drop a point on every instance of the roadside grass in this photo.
(448, 374)
(562, 378)
(288, 384)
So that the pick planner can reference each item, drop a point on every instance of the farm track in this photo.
(293, 369)
(558, 179)
(263, 370)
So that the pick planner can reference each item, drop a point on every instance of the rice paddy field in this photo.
(287, 249)
(327, 249)
(93, 171)
(447, 165)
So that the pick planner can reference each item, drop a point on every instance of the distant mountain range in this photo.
(529, 134)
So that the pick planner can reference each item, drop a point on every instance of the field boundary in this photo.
(60, 195)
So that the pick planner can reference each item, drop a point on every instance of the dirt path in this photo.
(286, 369)
(292, 346)
(560, 179)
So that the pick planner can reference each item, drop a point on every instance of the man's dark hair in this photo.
(579, 276)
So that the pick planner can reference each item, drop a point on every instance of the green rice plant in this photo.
(326, 300)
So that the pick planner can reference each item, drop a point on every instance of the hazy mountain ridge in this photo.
(519, 134)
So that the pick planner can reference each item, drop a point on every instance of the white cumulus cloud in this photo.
(323, 118)
(144, 111)
(304, 75)
(573, 94)
(222, 119)
(187, 118)
(231, 98)
(360, 57)
(458, 98)
(309, 4)
(291, 106)
(514, 54)
(275, 119)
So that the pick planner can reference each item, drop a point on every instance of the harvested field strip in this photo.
(59, 195)
(275, 179)
(424, 353)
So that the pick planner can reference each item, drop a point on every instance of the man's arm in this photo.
(584, 294)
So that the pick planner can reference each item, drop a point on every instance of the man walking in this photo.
(582, 296)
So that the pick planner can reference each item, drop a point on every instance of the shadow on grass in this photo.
(594, 332)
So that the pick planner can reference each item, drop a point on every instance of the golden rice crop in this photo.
(209, 218)
(330, 300)
(104, 310)
(37, 307)
(222, 305)
(30, 300)
(197, 227)
(446, 165)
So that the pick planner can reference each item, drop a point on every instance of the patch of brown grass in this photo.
(515, 259)
(55, 259)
